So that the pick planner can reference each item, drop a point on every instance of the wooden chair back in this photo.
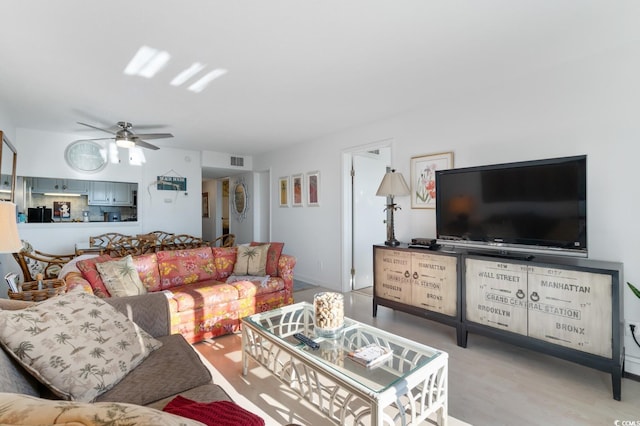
(141, 244)
(105, 240)
(226, 240)
(161, 235)
(183, 241)
(49, 265)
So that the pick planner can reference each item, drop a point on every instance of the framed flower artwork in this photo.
(423, 178)
(296, 190)
(283, 191)
(313, 189)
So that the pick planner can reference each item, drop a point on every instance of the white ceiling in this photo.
(297, 69)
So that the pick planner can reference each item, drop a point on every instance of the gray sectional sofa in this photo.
(173, 369)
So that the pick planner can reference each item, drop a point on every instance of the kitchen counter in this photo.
(70, 222)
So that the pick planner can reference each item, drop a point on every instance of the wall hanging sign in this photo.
(171, 183)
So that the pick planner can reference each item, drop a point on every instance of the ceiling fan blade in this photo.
(154, 135)
(99, 139)
(150, 126)
(97, 128)
(142, 144)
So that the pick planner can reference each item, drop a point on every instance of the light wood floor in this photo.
(490, 382)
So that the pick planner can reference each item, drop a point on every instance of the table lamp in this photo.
(9, 239)
(393, 184)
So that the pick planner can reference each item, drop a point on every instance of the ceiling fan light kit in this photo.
(125, 137)
(125, 142)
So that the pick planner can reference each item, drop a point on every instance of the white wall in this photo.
(262, 207)
(173, 211)
(588, 106)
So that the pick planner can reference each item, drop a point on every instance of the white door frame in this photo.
(347, 211)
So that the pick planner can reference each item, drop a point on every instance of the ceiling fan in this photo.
(125, 137)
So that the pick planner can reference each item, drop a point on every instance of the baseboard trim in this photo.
(630, 376)
(632, 367)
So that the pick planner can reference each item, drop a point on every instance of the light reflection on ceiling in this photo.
(149, 61)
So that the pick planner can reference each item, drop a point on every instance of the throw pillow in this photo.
(224, 258)
(121, 277)
(71, 265)
(179, 267)
(273, 256)
(90, 273)
(20, 409)
(76, 344)
(35, 267)
(251, 260)
(147, 266)
(216, 413)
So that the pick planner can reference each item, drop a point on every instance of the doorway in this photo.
(364, 214)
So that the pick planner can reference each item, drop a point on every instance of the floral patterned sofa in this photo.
(207, 294)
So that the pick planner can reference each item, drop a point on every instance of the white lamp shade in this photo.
(393, 184)
(9, 239)
(124, 142)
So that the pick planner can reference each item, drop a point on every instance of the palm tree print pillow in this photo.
(251, 260)
(76, 344)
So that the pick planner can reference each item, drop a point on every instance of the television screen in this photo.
(527, 206)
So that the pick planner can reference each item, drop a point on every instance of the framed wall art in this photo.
(313, 189)
(296, 190)
(283, 191)
(205, 204)
(423, 178)
(62, 209)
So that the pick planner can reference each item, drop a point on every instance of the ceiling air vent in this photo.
(237, 161)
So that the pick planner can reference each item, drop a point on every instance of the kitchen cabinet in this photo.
(110, 194)
(5, 187)
(5, 182)
(72, 186)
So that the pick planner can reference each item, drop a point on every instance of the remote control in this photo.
(307, 341)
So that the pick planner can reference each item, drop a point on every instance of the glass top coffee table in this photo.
(405, 389)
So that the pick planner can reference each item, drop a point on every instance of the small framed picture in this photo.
(423, 178)
(313, 189)
(283, 191)
(205, 204)
(296, 190)
(62, 209)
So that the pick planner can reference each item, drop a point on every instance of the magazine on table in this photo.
(371, 355)
(12, 281)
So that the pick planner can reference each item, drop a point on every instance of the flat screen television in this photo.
(537, 207)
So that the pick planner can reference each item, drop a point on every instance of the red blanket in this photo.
(218, 413)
